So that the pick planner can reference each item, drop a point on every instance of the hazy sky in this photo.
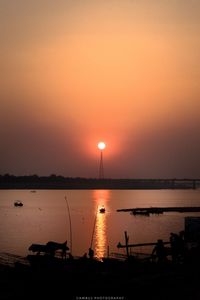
(74, 72)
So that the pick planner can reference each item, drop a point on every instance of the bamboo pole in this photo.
(70, 225)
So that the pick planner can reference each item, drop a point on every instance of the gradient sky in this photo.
(74, 72)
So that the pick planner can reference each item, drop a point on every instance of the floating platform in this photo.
(159, 210)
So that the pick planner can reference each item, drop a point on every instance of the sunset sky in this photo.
(76, 72)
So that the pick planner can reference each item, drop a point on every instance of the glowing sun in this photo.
(101, 145)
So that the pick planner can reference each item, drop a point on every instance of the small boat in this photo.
(18, 203)
(102, 210)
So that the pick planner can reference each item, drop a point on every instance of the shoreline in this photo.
(60, 182)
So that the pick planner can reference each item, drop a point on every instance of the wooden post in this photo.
(126, 243)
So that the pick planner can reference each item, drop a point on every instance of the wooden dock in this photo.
(159, 210)
(119, 245)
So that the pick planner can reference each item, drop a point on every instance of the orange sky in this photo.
(76, 72)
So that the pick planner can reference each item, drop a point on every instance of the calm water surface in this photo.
(45, 217)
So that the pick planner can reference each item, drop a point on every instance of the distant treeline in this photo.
(8, 181)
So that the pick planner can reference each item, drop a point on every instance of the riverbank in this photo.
(60, 182)
(111, 281)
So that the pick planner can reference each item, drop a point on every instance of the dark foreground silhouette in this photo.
(171, 271)
(49, 277)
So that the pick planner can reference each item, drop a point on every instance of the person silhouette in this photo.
(177, 246)
(159, 252)
(91, 253)
(174, 241)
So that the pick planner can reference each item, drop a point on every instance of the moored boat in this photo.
(102, 210)
(18, 203)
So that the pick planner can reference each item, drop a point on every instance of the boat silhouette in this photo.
(102, 210)
(18, 203)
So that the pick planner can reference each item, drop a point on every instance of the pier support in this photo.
(126, 244)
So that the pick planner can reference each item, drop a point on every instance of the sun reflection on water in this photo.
(101, 198)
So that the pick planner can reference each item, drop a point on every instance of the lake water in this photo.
(44, 217)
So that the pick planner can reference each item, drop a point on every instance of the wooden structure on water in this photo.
(159, 210)
(128, 246)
